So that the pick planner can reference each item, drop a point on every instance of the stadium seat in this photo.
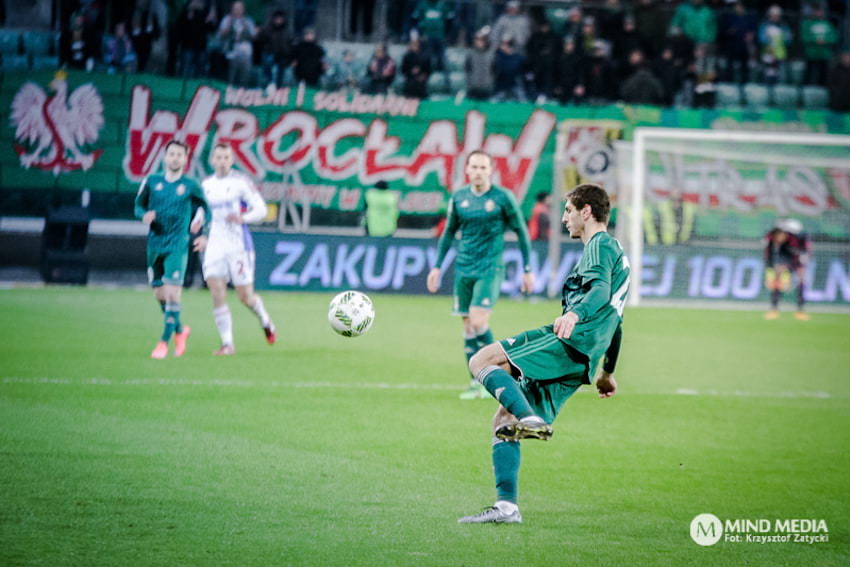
(39, 43)
(756, 95)
(815, 98)
(728, 94)
(15, 62)
(786, 96)
(797, 71)
(457, 81)
(45, 62)
(9, 42)
(437, 83)
(455, 59)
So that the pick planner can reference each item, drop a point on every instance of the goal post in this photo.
(732, 187)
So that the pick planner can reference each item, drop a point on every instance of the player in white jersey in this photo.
(234, 202)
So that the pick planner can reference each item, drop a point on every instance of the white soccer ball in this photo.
(351, 313)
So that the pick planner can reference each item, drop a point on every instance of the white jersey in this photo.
(234, 193)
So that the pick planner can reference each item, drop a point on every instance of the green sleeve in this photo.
(142, 199)
(597, 280)
(517, 223)
(597, 296)
(610, 361)
(448, 236)
(199, 201)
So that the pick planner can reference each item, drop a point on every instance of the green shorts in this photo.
(479, 292)
(167, 268)
(549, 370)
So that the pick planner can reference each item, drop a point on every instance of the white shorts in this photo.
(237, 268)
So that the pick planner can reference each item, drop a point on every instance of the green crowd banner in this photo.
(106, 132)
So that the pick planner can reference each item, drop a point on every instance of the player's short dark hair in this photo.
(183, 145)
(593, 195)
(479, 153)
(223, 146)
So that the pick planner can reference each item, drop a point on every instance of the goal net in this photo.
(695, 206)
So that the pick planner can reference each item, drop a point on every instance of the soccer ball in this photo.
(351, 313)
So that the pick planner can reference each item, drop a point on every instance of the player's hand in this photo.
(433, 281)
(565, 324)
(200, 244)
(527, 283)
(149, 217)
(606, 385)
(235, 218)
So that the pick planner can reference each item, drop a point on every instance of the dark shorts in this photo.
(167, 268)
(481, 292)
(549, 371)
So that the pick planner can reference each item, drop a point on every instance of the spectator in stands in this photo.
(119, 56)
(737, 42)
(308, 59)
(366, 9)
(626, 40)
(347, 72)
(573, 27)
(610, 21)
(432, 19)
(703, 77)
(838, 83)
(507, 69)
(144, 30)
(541, 51)
(237, 32)
(381, 71)
(600, 79)
(774, 36)
(652, 23)
(190, 31)
(276, 43)
(819, 38)
(683, 48)
(570, 74)
(416, 68)
(539, 223)
(641, 87)
(669, 75)
(697, 21)
(479, 69)
(512, 24)
(588, 35)
(77, 45)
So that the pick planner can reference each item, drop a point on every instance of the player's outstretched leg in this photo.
(180, 340)
(254, 302)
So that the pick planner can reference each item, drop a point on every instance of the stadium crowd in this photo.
(692, 53)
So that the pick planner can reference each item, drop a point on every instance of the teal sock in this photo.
(485, 338)
(172, 321)
(505, 388)
(506, 468)
(470, 347)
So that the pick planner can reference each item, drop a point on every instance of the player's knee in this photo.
(491, 355)
(246, 297)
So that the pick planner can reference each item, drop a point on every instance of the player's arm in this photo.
(256, 205)
(140, 205)
(443, 245)
(199, 202)
(596, 296)
(605, 383)
(516, 222)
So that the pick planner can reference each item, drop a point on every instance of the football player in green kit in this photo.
(482, 212)
(167, 203)
(532, 374)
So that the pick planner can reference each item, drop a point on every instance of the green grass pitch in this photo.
(323, 450)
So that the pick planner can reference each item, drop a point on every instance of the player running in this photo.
(166, 203)
(532, 374)
(482, 212)
(786, 253)
(235, 202)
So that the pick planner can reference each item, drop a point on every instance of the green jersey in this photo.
(596, 291)
(482, 220)
(175, 203)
